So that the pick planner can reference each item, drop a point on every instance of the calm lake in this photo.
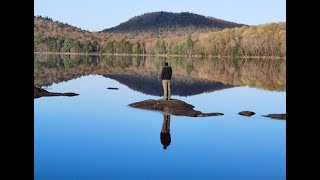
(96, 135)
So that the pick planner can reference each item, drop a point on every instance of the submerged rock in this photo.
(276, 116)
(113, 88)
(246, 113)
(38, 92)
(173, 107)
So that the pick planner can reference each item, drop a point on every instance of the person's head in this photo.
(165, 146)
(166, 64)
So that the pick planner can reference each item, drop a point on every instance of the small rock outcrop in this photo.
(276, 116)
(173, 107)
(38, 92)
(246, 113)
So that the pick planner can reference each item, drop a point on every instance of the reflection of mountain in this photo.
(151, 85)
(259, 73)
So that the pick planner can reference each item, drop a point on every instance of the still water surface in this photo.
(96, 135)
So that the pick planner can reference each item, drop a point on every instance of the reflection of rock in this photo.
(38, 92)
(246, 113)
(113, 88)
(276, 116)
(173, 107)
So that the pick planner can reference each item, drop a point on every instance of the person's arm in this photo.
(170, 72)
(162, 73)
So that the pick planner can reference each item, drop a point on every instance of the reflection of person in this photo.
(166, 77)
(165, 136)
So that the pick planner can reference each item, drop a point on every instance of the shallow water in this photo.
(96, 135)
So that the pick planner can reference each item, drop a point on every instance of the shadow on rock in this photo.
(173, 107)
(38, 92)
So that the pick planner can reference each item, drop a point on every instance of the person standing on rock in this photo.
(166, 78)
(165, 136)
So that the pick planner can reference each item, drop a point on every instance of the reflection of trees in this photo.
(50, 69)
(261, 73)
(121, 61)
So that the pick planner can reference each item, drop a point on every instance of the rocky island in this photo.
(173, 107)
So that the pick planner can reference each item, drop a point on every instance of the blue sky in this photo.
(96, 15)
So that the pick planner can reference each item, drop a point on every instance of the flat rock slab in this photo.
(38, 92)
(276, 116)
(246, 113)
(173, 107)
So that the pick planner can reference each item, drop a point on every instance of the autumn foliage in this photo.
(268, 40)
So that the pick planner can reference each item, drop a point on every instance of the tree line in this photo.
(63, 44)
(263, 40)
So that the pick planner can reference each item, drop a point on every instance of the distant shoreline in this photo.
(160, 55)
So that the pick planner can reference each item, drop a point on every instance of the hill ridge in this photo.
(170, 21)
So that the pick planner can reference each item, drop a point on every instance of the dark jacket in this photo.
(165, 138)
(166, 73)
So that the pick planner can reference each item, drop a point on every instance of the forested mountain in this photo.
(263, 40)
(47, 27)
(161, 22)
